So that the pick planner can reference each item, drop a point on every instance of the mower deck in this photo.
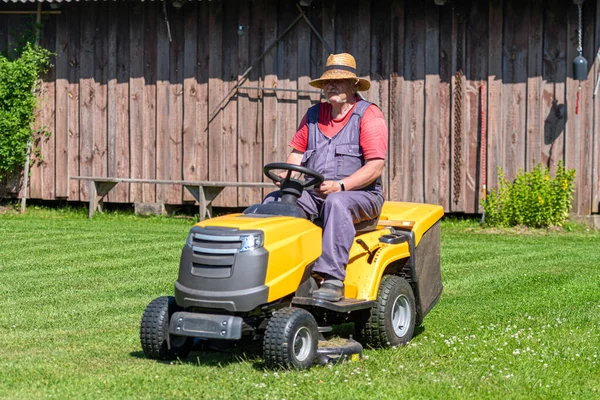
(331, 352)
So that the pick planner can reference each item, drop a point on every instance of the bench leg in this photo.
(204, 195)
(97, 192)
(93, 199)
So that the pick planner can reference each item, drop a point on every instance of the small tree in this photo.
(18, 80)
(533, 199)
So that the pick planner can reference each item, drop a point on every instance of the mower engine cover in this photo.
(239, 262)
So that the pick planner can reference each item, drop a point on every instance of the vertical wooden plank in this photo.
(163, 64)
(396, 173)
(585, 177)
(173, 150)
(111, 95)
(476, 73)
(458, 108)
(269, 72)
(216, 92)
(431, 161)
(3, 34)
(596, 120)
(190, 91)
(495, 143)
(380, 63)
(229, 167)
(122, 149)
(346, 24)
(152, 17)
(17, 25)
(137, 109)
(62, 94)
(535, 135)
(445, 108)
(516, 33)
(315, 15)
(287, 70)
(74, 26)
(257, 44)
(87, 93)
(202, 106)
(224, 138)
(573, 132)
(48, 140)
(118, 99)
(249, 136)
(328, 29)
(414, 102)
(554, 70)
(362, 52)
(99, 158)
(305, 100)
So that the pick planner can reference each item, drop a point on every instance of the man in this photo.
(345, 140)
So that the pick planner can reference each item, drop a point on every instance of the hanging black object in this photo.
(580, 68)
(580, 64)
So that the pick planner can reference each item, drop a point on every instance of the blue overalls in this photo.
(337, 158)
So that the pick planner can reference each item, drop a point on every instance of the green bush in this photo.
(533, 199)
(18, 79)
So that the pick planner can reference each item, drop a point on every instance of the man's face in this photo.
(339, 91)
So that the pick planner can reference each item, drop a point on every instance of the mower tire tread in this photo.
(377, 332)
(154, 332)
(278, 345)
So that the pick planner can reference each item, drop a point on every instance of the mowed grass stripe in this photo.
(519, 318)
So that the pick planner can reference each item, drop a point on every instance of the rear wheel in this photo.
(154, 331)
(392, 318)
(291, 339)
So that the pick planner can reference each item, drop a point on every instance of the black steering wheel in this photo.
(317, 178)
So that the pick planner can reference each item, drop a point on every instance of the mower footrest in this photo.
(207, 326)
(344, 305)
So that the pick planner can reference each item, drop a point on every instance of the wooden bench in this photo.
(203, 191)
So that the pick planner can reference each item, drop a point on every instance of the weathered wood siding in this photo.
(126, 99)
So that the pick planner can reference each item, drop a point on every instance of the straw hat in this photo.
(340, 66)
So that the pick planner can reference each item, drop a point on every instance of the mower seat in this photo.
(366, 226)
(360, 227)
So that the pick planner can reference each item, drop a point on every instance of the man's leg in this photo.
(340, 212)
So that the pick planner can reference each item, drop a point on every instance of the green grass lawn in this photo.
(519, 318)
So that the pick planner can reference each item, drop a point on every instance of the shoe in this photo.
(329, 292)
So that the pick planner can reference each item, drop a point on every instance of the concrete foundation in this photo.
(150, 208)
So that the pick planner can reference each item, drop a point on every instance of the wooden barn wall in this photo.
(130, 97)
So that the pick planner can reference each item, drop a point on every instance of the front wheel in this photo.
(291, 339)
(392, 318)
(154, 331)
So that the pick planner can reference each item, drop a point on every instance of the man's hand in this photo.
(283, 175)
(328, 187)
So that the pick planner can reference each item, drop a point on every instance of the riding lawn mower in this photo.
(248, 276)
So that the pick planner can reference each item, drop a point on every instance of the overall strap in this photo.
(312, 120)
(360, 108)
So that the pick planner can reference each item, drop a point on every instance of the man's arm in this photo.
(365, 175)
(295, 157)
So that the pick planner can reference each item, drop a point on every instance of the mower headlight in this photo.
(189, 240)
(251, 242)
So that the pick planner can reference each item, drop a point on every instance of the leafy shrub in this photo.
(18, 79)
(533, 199)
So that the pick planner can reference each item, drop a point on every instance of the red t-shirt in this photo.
(373, 130)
